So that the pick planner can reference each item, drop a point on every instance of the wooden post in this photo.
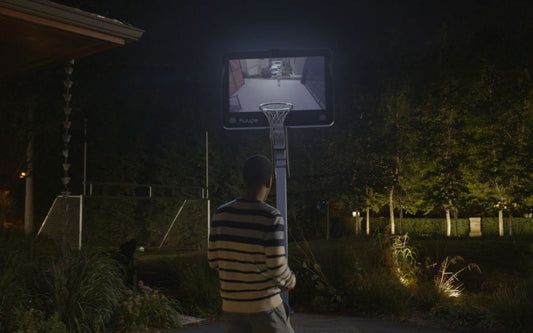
(327, 221)
(368, 221)
(28, 199)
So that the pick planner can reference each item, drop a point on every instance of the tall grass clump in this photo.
(389, 269)
(37, 321)
(458, 312)
(186, 277)
(511, 307)
(395, 282)
(84, 289)
(197, 283)
(346, 277)
(144, 308)
(319, 277)
(20, 298)
(45, 288)
(378, 292)
(403, 260)
(447, 281)
(14, 293)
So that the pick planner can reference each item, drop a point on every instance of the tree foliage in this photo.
(438, 120)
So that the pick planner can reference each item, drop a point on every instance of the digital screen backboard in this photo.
(299, 77)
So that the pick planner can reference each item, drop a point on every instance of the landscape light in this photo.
(23, 175)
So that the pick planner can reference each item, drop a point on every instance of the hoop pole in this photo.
(279, 150)
(208, 201)
(281, 203)
(275, 114)
(85, 157)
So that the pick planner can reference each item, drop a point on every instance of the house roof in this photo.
(36, 33)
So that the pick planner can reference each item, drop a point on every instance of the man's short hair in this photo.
(257, 171)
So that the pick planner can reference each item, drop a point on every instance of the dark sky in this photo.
(179, 57)
(184, 41)
(193, 35)
(188, 38)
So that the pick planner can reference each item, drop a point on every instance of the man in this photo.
(246, 246)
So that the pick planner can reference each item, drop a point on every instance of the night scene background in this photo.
(433, 125)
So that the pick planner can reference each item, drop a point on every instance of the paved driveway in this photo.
(257, 91)
(303, 323)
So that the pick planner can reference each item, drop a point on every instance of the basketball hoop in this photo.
(276, 111)
(276, 114)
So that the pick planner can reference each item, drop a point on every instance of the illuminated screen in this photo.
(294, 77)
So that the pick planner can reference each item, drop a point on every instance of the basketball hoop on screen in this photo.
(276, 113)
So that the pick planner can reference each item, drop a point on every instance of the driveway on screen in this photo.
(303, 323)
(258, 91)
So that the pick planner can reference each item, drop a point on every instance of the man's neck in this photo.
(259, 195)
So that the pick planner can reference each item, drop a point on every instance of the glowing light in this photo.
(23, 175)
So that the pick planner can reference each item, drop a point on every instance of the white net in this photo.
(63, 222)
(276, 112)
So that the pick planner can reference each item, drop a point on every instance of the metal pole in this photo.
(279, 150)
(80, 234)
(208, 202)
(85, 159)
(28, 194)
(281, 204)
(327, 221)
(281, 198)
(367, 221)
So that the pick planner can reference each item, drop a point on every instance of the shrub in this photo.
(378, 292)
(143, 308)
(457, 312)
(35, 320)
(198, 284)
(324, 295)
(188, 277)
(14, 294)
(321, 284)
(84, 289)
(19, 277)
(512, 307)
(424, 295)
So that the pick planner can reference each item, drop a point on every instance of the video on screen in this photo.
(296, 80)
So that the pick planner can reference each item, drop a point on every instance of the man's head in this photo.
(257, 172)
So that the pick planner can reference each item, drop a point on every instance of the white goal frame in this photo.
(51, 210)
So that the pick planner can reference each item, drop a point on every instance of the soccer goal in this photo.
(64, 220)
(184, 226)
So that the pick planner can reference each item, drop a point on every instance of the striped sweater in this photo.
(246, 246)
